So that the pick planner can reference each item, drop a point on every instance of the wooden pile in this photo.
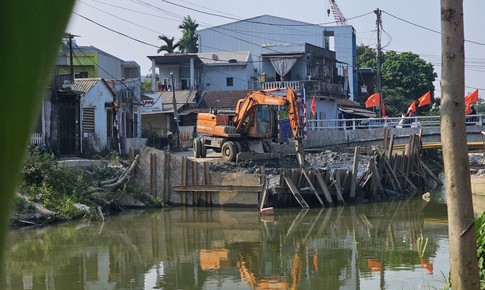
(390, 174)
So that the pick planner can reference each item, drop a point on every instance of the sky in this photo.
(411, 25)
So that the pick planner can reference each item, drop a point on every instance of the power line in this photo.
(122, 19)
(428, 29)
(200, 11)
(162, 10)
(107, 72)
(152, 6)
(193, 4)
(148, 5)
(248, 20)
(115, 31)
(133, 10)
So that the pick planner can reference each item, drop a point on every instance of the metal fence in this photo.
(399, 122)
(36, 139)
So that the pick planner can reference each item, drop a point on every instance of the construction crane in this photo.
(337, 14)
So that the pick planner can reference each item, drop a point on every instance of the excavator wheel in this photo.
(197, 147)
(238, 147)
(229, 151)
(203, 149)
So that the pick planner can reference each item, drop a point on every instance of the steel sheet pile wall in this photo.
(180, 181)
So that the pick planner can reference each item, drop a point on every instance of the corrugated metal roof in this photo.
(358, 111)
(222, 99)
(347, 102)
(84, 85)
(181, 97)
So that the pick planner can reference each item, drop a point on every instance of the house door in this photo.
(68, 126)
(185, 84)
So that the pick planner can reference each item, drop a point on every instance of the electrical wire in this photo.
(135, 11)
(138, 102)
(473, 67)
(115, 31)
(426, 28)
(122, 19)
(162, 10)
(88, 57)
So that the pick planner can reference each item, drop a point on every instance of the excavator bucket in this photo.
(300, 156)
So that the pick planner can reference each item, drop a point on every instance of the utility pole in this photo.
(69, 37)
(461, 221)
(378, 73)
(175, 113)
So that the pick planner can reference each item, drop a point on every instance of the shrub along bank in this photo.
(52, 192)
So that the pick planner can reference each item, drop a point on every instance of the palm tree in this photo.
(169, 45)
(188, 42)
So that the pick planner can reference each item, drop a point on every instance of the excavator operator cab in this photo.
(263, 116)
(260, 123)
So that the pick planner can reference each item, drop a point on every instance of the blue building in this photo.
(268, 37)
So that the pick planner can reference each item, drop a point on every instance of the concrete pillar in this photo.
(154, 76)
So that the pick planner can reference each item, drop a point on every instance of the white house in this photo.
(228, 71)
(109, 107)
(203, 71)
(97, 113)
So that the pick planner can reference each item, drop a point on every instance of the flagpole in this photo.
(378, 73)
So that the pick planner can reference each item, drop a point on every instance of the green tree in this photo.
(405, 77)
(169, 45)
(146, 85)
(366, 57)
(189, 41)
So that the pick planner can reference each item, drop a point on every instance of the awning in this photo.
(357, 111)
(282, 63)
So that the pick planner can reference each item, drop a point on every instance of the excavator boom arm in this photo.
(296, 125)
(247, 106)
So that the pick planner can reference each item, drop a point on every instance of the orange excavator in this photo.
(249, 128)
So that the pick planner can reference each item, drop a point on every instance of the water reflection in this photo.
(399, 245)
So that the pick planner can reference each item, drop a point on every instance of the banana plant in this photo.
(31, 33)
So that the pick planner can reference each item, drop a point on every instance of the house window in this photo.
(229, 81)
(88, 119)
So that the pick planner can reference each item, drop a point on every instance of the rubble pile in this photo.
(329, 160)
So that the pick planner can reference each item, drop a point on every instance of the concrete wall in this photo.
(109, 64)
(159, 122)
(135, 143)
(215, 78)
(168, 172)
(97, 97)
(346, 52)
(375, 136)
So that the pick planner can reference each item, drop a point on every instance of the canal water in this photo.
(394, 245)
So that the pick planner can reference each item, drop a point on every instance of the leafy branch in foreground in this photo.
(480, 226)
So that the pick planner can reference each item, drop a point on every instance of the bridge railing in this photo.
(398, 122)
